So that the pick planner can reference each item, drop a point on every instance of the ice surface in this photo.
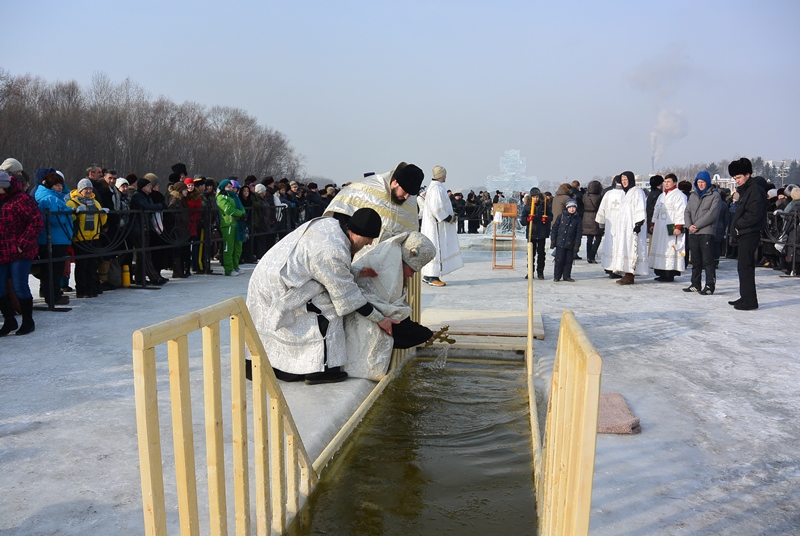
(717, 392)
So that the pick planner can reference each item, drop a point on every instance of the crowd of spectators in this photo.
(112, 223)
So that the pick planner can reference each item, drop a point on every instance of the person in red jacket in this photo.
(21, 223)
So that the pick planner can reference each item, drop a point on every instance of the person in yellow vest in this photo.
(88, 219)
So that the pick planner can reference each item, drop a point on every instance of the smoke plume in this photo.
(670, 127)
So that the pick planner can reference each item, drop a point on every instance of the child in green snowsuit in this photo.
(230, 210)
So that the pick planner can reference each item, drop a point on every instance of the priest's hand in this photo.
(367, 272)
(386, 324)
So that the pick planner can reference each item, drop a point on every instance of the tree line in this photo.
(121, 127)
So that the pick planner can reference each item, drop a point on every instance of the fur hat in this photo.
(417, 250)
(51, 179)
(260, 188)
(83, 184)
(152, 177)
(409, 177)
(365, 222)
(179, 168)
(795, 194)
(11, 165)
(743, 166)
(439, 173)
(656, 181)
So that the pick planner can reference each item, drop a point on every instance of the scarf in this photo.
(91, 210)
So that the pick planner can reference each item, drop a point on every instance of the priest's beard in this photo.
(396, 200)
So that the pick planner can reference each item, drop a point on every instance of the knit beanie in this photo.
(11, 165)
(365, 222)
(5, 180)
(120, 183)
(571, 203)
(143, 183)
(439, 173)
(83, 184)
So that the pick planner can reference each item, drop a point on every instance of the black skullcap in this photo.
(656, 180)
(409, 177)
(141, 183)
(365, 222)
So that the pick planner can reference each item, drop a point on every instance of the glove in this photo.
(529, 219)
(80, 208)
(104, 210)
(448, 219)
(637, 228)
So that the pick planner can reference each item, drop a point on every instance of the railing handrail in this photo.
(278, 482)
(564, 461)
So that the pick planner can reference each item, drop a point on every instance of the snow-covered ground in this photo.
(716, 391)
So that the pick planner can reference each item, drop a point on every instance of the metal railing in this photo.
(564, 461)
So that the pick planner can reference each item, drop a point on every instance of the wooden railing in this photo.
(282, 470)
(564, 464)
(284, 475)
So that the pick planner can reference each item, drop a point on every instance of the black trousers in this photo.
(748, 244)
(701, 248)
(592, 244)
(59, 250)
(563, 266)
(539, 253)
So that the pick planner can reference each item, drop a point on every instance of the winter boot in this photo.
(27, 317)
(10, 323)
(627, 279)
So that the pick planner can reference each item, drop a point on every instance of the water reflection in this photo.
(442, 452)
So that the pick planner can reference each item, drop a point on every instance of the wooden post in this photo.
(183, 437)
(147, 427)
(215, 453)
(241, 476)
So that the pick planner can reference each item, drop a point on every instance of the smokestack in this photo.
(652, 164)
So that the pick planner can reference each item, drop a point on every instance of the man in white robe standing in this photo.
(369, 348)
(439, 225)
(392, 195)
(629, 252)
(667, 243)
(609, 206)
(303, 287)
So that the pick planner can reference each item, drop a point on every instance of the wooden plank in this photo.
(147, 428)
(241, 472)
(260, 445)
(175, 327)
(183, 436)
(277, 450)
(215, 453)
(292, 492)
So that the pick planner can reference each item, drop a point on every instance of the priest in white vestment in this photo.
(606, 214)
(392, 195)
(439, 225)
(301, 290)
(667, 243)
(369, 348)
(629, 251)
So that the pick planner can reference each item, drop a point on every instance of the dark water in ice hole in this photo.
(441, 452)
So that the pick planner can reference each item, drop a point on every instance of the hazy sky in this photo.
(579, 88)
